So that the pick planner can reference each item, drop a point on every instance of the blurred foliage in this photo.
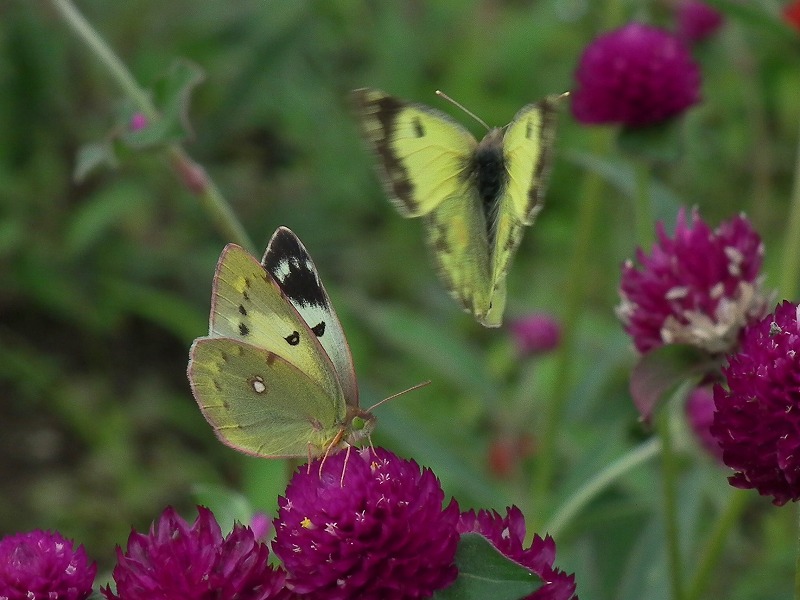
(104, 283)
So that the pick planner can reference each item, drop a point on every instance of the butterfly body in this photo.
(274, 377)
(475, 197)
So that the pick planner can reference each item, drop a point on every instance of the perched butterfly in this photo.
(475, 197)
(274, 377)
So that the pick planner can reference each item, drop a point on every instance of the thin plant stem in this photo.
(791, 240)
(577, 275)
(797, 559)
(592, 488)
(669, 490)
(192, 175)
(715, 544)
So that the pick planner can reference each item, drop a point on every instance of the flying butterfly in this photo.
(274, 377)
(475, 197)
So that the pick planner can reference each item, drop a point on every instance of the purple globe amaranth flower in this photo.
(507, 534)
(696, 21)
(700, 287)
(42, 565)
(535, 333)
(370, 526)
(757, 422)
(636, 75)
(178, 560)
(138, 122)
(700, 414)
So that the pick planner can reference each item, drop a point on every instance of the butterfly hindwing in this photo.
(248, 305)
(456, 233)
(258, 402)
(291, 267)
(422, 153)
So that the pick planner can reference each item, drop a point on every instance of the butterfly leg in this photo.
(334, 442)
(308, 464)
(344, 466)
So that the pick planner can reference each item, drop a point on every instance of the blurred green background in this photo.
(105, 282)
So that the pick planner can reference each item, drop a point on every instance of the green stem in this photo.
(791, 240)
(669, 489)
(797, 562)
(715, 544)
(600, 482)
(577, 275)
(643, 208)
(192, 175)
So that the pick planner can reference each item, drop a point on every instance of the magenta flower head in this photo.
(535, 333)
(700, 414)
(179, 560)
(44, 565)
(699, 287)
(138, 122)
(696, 21)
(757, 422)
(381, 534)
(507, 534)
(637, 75)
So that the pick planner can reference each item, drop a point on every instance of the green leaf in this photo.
(227, 505)
(484, 572)
(92, 157)
(660, 371)
(172, 96)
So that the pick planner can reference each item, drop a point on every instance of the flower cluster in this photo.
(178, 560)
(356, 525)
(700, 287)
(43, 564)
(696, 21)
(535, 334)
(373, 528)
(636, 75)
(757, 418)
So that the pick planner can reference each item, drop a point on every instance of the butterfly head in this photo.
(360, 425)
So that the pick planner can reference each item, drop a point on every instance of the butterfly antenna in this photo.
(441, 94)
(393, 396)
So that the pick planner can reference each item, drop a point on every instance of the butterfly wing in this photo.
(423, 155)
(290, 265)
(527, 151)
(249, 306)
(457, 235)
(259, 403)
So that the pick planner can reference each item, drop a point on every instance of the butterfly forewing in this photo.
(422, 153)
(259, 403)
(527, 149)
(291, 267)
(248, 305)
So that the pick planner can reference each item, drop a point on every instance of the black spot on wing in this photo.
(293, 339)
(242, 310)
(290, 265)
(319, 329)
(243, 329)
(419, 131)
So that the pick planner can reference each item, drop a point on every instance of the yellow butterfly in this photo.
(475, 198)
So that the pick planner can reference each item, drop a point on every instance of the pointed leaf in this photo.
(92, 157)
(484, 572)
